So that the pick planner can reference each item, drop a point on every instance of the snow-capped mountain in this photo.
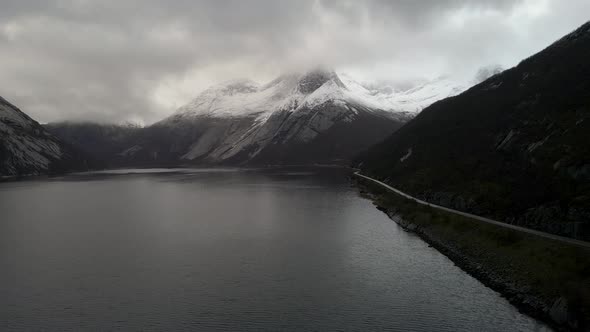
(313, 117)
(26, 148)
(246, 97)
(409, 102)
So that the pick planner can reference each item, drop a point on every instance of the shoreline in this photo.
(522, 303)
(551, 310)
(31, 176)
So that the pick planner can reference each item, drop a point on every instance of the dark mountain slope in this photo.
(103, 142)
(348, 135)
(26, 148)
(515, 147)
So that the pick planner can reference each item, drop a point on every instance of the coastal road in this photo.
(479, 218)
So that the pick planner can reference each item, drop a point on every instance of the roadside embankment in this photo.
(545, 278)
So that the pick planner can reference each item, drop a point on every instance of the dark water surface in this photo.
(205, 250)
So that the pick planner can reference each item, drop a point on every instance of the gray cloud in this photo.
(137, 60)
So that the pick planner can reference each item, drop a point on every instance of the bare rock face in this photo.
(26, 148)
(313, 80)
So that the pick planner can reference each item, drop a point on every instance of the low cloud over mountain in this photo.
(140, 60)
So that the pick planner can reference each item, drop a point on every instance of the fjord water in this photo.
(225, 249)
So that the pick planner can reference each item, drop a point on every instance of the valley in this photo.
(256, 204)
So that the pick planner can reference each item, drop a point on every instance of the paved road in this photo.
(478, 218)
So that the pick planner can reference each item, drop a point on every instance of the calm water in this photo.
(225, 250)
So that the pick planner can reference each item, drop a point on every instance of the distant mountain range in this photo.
(515, 147)
(317, 117)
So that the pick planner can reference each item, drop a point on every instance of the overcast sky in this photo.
(138, 60)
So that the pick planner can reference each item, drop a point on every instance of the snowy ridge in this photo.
(245, 98)
(241, 98)
(410, 102)
(328, 92)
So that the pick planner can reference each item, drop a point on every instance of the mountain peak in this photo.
(313, 79)
(293, 90)
(235, 86)
(486, 72)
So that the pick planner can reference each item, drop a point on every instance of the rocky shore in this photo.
(557, 311)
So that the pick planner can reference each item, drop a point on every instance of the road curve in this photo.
(479, 218)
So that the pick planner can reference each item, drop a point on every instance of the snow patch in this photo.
(329, 91)
(494, 86)
(505, 140)
(406, 156)
(131, 151)
(532, 147)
